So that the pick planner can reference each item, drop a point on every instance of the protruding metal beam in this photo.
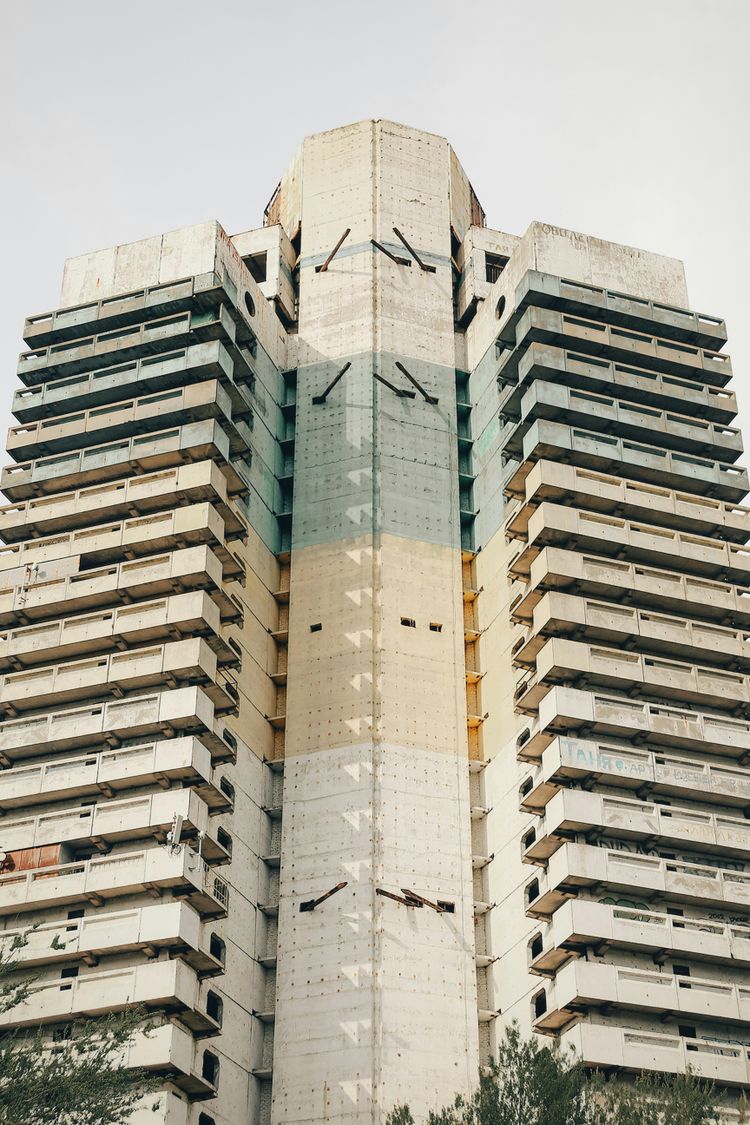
(318, 399)
(419, 901)
(334, 252)
(394, 257)
(311, 903)
(392, 387)
(422, 265)
(397, 898)
(428, 398)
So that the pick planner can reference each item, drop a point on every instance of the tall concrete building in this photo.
(375, 668)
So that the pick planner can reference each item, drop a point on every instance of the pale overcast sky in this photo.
(625, 120)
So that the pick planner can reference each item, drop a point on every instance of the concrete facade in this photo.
(376, 667)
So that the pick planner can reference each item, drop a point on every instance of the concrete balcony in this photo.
(665, 392)
(198, 441)
(114, 821)
(557, 569)
(169, 665)
(171, 1051)
(640, 877)
(172, 760)
(583, 985)
(554, 525)
(180, 368)
(593, 338)
(188, 568)
(182, 615)
(568, 710)
(111, 312)
(172, 926)
(120, 345)
(185, 710)
(605, 453)
(620, 309)
(573, 812)
(581, 924)
(140, 495)
(601, 492)
(665, 428)
(573, 662)
(577, 760)
(86, 428)
(115, 542)
(565, 615)
(154, 869)
(599, 1045)
(168, 986)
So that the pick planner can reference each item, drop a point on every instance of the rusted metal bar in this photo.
(334, 252)
(391, 387)
(418, 900)
(394, 257)
(428, 398)
(422, 265)
(318, 399)
(397, 898)
(311, 903)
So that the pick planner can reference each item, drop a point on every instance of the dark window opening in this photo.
(527, 786)
(536, 945)
(210, 1068)
(215, 1007)
(227, 788)
(494, 264)
(206, 1119)
(250, 304)
(317, 627)
(409, 622)
(61, 1034)
(229, 738)
(500, 308)
(257, 265)
(224, 839)
(528, 839)
(446, 907)
(217, 948)
(539, 1002)
(686, 1030)
(436, 627)
(532, 891)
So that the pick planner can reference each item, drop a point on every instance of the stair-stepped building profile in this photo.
(375, 652)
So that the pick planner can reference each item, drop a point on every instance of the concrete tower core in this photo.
(376, 668)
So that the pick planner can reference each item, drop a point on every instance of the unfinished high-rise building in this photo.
(375, 664)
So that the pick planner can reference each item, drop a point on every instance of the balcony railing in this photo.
(703, 598)
(572, 811)
(580, 924)
(629, 383)
(567, 710)
(175, 926)
(578, 759)
(180, 709)
(630, 1049)
(112, 876)
(168, 985)
(610, 495)
(639, 876)
(185, 760)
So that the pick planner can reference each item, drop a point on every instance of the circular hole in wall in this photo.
(499, 307)
(250, 304)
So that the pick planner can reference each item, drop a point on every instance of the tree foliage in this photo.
(79, 1080)
(532, 1084)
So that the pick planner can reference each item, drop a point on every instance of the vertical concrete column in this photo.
(376, 1000)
